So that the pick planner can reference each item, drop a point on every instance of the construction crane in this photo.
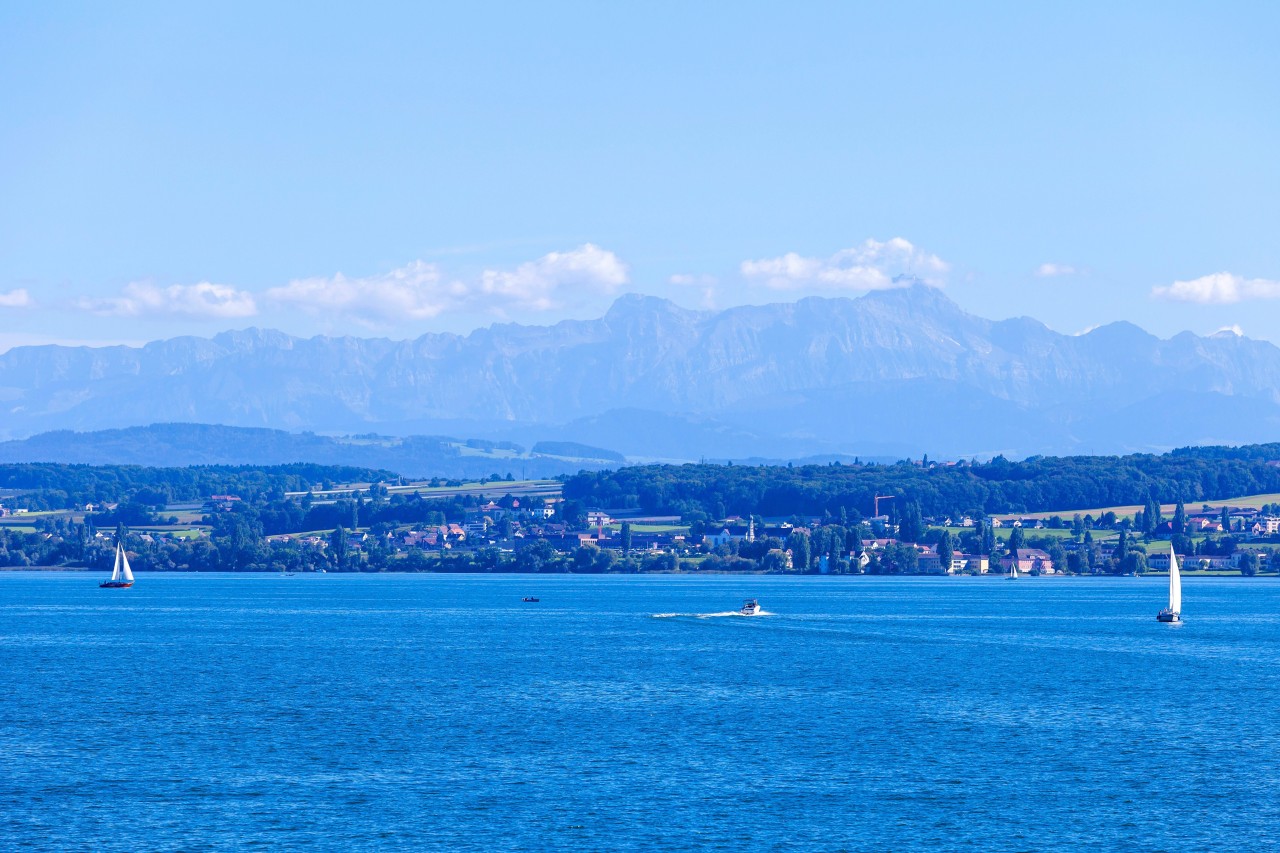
(882, 498)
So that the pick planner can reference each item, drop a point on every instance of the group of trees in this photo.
(47, 486)
(999, 486)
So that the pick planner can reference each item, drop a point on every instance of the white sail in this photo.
(124, 566)
(1175, 583)
(115, 571)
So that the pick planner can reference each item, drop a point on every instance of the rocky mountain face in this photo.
(894, 372)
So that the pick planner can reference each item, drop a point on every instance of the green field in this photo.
(496, 454)
(518, 488)
(184, 516)
(651, 528)
(1003, 533)
(1253, 501)
(176, 532)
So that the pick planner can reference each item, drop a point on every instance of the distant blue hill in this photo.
(166, 445)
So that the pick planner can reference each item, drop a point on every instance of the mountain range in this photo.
(896, 372)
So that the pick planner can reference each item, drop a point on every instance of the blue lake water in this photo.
(211, 712)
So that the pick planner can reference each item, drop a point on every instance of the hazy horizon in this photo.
(546, 322)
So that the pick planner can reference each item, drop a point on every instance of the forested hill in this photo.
(171, 445)
(715, 491)
(1034, 485)
(56, 486)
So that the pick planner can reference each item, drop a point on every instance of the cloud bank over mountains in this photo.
(204, 300)
(873, 265)
(416, 291)
(575, 282)
(1222, 288)
(422, 290)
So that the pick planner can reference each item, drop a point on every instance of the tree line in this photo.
(51, 486)
(1038, 484)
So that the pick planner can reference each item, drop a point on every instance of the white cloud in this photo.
(1233, 329)
(18, 298)
(202, 300)
(419, 290)
(416, 291)
(1050, 270)
(707, 284)
(541, 284)
(1218, 288)
(874, 265)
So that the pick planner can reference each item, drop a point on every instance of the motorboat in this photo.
(750, 607)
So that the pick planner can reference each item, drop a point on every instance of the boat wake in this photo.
(726, 613)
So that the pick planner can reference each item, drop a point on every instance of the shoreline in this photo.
(709, 573)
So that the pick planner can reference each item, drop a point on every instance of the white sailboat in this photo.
(121, 574)
(1013, 569)
(1173, 613)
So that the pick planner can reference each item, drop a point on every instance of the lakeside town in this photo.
(504, 526)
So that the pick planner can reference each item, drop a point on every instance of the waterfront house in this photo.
(727, 534)
(1029, 561)
(927, 560)
(1159, 561)
(978, 564)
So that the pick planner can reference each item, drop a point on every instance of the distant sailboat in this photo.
(121, 575)
(1013, 569)
(1173, 613)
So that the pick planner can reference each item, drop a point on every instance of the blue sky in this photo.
(396, 169)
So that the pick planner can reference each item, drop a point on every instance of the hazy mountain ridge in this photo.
(179, 444)
(895, 371)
